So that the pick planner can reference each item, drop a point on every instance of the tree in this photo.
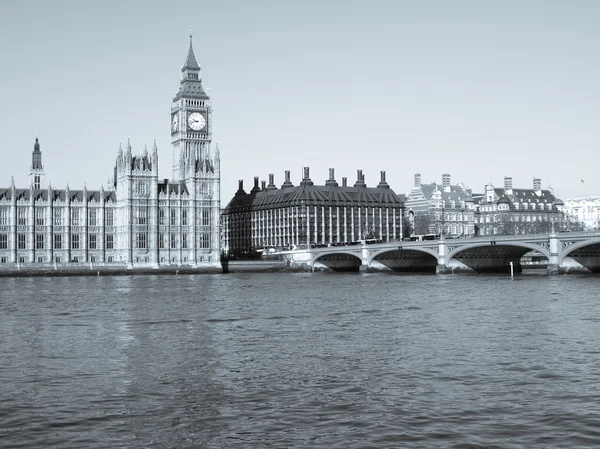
(422, 224)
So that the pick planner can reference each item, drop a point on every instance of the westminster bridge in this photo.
(568, 252)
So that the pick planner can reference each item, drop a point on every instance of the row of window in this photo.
(58, 216)
(40, 241)
(140, 216)
(57, 259)
(141, 241)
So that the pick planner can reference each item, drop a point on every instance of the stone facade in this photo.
(517, 211)
(138, 220)
(310, 215)
(585, 210)
(446, 209)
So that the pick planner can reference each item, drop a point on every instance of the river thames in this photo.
(312, 360)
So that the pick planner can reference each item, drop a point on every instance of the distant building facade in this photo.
(446, 209)
(585, 210)
(137, 220)
(510, 210)
(307, 215)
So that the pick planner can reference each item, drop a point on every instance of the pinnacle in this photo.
(190, 62)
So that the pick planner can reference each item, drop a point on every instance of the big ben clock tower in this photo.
(191, 132)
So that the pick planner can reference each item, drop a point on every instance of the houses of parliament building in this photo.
(139, 220)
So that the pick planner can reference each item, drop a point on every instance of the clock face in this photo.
(174, 123)
(196, 121)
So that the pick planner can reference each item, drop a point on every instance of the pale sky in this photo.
(478, 89)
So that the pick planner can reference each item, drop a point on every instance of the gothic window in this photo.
(57, 241)
(205, 240)
(173, 217)
(184, 217)
(3, 215)
(109, 219)
(74, 217)
(39, 241)
(21, 216)
(141, 240)
(57, 217)
(21, 241)
(206, 216)
(173, 241)
(161, 241)
(161, 216)
(74, 241)
(141, 216)
(184, 241)
(110, 241)
(92, 217)
(40, 217)
(3, 241)
(92, 241)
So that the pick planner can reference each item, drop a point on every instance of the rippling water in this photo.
(300, 360)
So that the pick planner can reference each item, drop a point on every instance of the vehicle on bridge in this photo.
(420, 238)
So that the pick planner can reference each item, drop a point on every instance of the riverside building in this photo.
(139, 219)
(510, 210)
(446, 209)
(307, 215)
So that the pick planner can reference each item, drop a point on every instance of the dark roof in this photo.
(172, 187)
(141, 162)
(524, 196)
(58, 195)
(307, 194)
(456, 193)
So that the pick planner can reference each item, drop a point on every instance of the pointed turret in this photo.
(154, 149)
(190, 61)
(120, 153)
(36, 157)
(36, 171)
(191, 81)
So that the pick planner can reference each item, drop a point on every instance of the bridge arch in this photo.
(429, 251)
(339, 260)
(525, 245)
(405, 260)
(566, 252)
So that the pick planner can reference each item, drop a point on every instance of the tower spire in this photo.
(190, 61)
(36, 172)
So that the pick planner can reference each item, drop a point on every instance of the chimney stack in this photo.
(360, 179)
(418, 180)
(537, 185)
(446, 182)
(306, 180)
(331, 181)
(271, 185)
(287, 182)
(344, 182)
(240, 190)
(263, 185)
(255, 189)
(507, 183)
(382, 184)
